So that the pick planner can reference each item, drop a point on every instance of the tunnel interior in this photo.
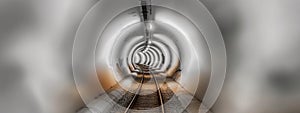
(148, 58)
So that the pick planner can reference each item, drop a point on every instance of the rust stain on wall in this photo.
(106, 78)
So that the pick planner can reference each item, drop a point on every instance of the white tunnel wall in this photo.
(262, 42)
(36, 39)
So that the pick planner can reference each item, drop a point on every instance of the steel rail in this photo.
(135, 95)
(158, 93)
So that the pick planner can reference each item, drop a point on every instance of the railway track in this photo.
(148, 95)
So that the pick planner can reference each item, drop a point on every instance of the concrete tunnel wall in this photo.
(36, 49)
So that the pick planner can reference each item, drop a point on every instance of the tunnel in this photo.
(99, 56)
(147, 56)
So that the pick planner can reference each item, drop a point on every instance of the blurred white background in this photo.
(262, 39)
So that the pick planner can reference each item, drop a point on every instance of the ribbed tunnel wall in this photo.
(176, 56)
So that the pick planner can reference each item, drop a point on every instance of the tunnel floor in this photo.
(152, 95)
